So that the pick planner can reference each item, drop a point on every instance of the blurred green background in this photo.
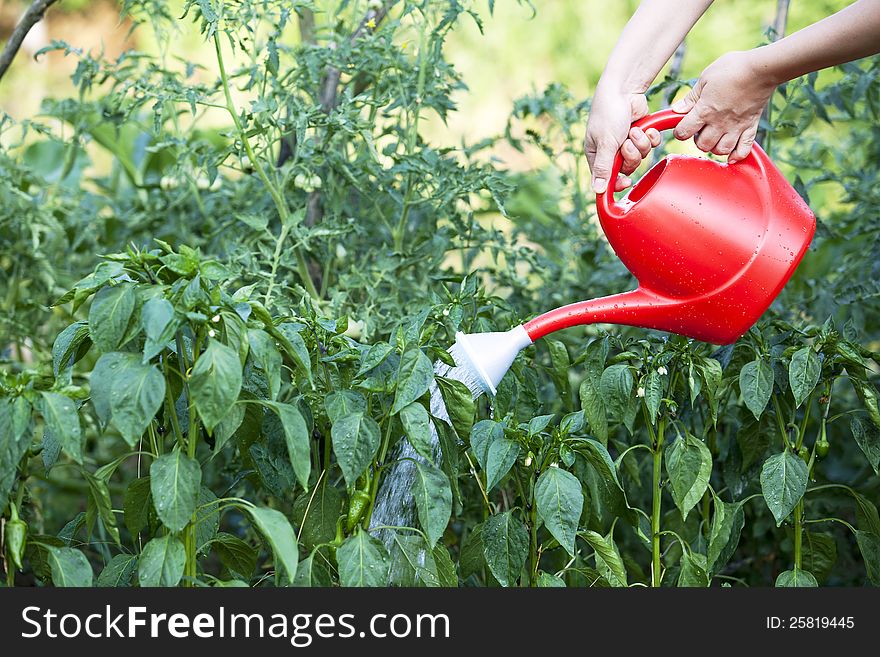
(566, 41)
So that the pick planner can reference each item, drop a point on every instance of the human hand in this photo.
(724, 107)
(609, 130)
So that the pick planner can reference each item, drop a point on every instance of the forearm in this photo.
(852, 33)
(648, 41)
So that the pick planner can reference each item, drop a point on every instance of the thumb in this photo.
(686, 104)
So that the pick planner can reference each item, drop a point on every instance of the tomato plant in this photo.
(242, 389)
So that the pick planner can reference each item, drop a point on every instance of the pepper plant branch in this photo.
(33, 15)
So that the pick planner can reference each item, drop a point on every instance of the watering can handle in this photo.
(663, 120)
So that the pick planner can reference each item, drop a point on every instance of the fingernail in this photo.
(599, 185)
(679, 106)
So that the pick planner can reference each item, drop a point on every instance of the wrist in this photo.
(765, 65)
(620, 85)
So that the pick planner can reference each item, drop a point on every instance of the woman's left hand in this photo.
(724, 107)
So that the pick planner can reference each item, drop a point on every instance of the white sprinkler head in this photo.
(490, 355)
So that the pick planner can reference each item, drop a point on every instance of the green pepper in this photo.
(16, 538)
(822, 445)
(357, 507)
(804, 453)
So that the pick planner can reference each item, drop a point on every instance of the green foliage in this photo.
(237, 370)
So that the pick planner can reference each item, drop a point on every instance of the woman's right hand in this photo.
(609, 129)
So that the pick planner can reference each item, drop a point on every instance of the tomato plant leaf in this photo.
(500, 457)
(433, 497)
(803, 373)
(157, 320)
(689, 465)
(126, 393)
(118, 571)
(867, 437)
(315, 513)
(756, 384)
(417, 427)
(278, 532)
(99, 500)
(615, 387)
(472, 559)
(414, 377)
(505, 547)
(296, 435)
(727, 523)
(62, 419)
(653, 384)
(594, 408)
(215, 383)
(239, 557)
(136, 505)
(482, 435)
(363, 561)
(608, 560)
(459, 404)
(693, 570)
(162, 562)
(340, 403)
(174, 483)
(70, 345)
(798, 578)
(267, 358)
(356, 439)
(69, 566)
(869, 546)
(783, 483)
(109, 315)
(312, 572)
(560, 503)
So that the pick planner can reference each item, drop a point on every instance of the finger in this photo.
(654, 136)
(631, 157)
(743, 147)
(622, 183)
(640, 141)
(601, 167)
(590, 150)
(726, 144)
(690, 125)
(707, 138)
(686, 104)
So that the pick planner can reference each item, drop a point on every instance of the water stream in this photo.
(395, 506)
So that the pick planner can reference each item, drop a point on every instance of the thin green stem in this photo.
(798, 533)
(411, 137)
(657, 494)
(374, 485)
(274, 192)
(781, 423)
(840, 520)
(533, 540)
(191, 567)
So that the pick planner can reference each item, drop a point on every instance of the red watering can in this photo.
(710, 244)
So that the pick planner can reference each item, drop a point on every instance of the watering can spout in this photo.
(634, 308)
